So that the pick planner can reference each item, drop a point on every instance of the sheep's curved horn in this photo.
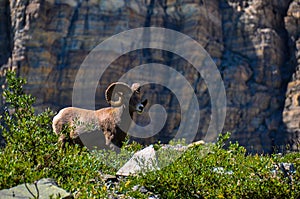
(118, 88)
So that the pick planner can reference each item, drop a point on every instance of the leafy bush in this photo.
(203, 171)
(210, 171)
(26, 135)
(31, 150)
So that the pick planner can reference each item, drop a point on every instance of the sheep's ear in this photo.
(116, 89)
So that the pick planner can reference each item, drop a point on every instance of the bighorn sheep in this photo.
(124, 100)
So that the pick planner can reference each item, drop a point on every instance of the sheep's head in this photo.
(119, 93)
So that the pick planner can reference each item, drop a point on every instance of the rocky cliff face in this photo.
(255, 44)
(256, 69)
(291, 110)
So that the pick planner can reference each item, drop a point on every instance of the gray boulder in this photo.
(43, 189)
(142, 161)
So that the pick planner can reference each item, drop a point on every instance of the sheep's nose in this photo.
(140, 108)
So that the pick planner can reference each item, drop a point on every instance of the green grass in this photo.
(204, 171)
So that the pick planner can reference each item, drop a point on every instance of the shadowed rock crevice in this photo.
(5, 32)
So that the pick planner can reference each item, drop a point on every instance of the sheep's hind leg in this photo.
(109, 136)
(62, 141)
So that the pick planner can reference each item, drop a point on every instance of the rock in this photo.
(291, 112)
(273, 122)
(141, 162)
(177, 147)
(4, 26)
(200, 142)
(143, 190)
(180, 147)
(108, 177)
(43, 189)
(221, 170)
(288, 170)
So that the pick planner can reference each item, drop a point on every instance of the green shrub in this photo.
(31, 150)
(29, 141)
(210, 171)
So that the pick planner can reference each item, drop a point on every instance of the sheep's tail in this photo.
(56, 124)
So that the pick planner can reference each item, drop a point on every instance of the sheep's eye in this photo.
(138, 90)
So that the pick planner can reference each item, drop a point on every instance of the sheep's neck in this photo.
(123, 114)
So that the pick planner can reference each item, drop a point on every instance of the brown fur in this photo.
(107, 120)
